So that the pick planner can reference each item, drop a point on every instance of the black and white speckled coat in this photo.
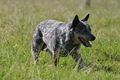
(62, 39)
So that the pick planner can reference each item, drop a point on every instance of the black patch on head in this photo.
(79, 27)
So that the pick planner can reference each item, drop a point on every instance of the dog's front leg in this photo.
(77, 57)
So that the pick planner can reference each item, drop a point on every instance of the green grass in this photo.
(19, 18)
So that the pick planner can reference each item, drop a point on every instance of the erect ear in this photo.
(86, 18)
(75, 21)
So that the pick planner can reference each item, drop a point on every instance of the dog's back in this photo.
(54, 32)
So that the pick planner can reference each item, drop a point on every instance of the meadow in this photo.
(18, 20)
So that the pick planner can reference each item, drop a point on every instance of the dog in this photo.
(62, 39)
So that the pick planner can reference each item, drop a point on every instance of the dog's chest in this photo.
(67, 49)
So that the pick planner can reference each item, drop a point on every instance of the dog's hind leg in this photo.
(37, 45)
(55, 58)
(77, 57)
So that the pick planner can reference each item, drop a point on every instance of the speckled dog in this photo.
(62, 39)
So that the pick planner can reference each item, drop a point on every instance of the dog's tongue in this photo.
(85, 43)
(88, 44)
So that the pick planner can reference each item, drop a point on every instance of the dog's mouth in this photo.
(85, 42)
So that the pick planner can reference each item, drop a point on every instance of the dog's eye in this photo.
(89, 29)
(85, 30)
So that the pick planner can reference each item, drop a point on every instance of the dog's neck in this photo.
(74, 39)
(72, 45)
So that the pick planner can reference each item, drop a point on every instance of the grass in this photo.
(18, 19)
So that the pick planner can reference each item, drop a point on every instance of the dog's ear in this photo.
(86, 18)
(75, 21)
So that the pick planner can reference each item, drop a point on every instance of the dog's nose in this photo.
(93, 38)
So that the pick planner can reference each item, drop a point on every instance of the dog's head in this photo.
(82, 32)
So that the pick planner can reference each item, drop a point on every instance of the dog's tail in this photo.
(37, 44)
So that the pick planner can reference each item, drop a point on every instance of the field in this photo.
(18, 20)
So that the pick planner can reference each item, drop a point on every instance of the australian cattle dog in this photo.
(62, 39)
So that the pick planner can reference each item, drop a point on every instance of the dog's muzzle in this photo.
(85, 42)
